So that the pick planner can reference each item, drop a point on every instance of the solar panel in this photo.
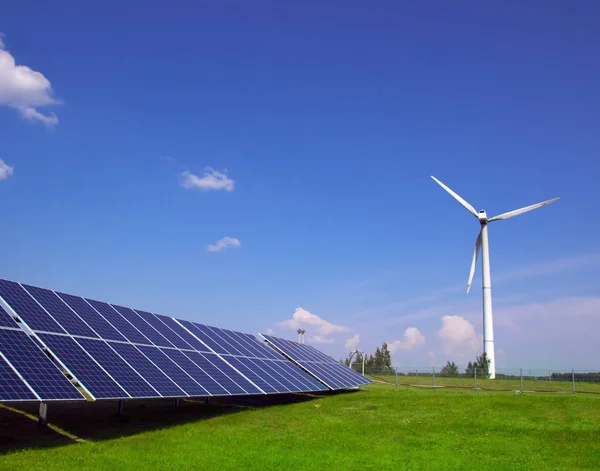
(195, 329)
(119, 322)
(178, 374)
(176, 327)
(27, 308)
(61, 313)
(44, 377)
(98, 383)
(115, 366)
(12, 387)
(196, 372)
(140, 324)
(5, 319)
(100, 325)
(148, 370)
(157, 322)
(324, 368)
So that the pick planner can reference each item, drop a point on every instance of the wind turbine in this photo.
(482, 245)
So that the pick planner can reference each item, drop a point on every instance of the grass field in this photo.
(375, 428)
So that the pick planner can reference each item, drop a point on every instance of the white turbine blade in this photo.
(516, 212)
(469, 208)
(474, 261)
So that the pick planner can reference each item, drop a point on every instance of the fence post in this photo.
(573, 378)
(521, 381)
(433, 378)
(396, 377)
(475, 383)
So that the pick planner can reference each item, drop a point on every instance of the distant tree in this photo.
(482, 363)
(450, 369)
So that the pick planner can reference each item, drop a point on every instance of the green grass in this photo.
(375, 428)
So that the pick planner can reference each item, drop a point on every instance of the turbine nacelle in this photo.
(482, 216)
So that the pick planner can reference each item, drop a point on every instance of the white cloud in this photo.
(320, 339)
(25, 89)
(5, 169)
(412, 338)
(352, 342)
(459, 335)
(303, 318)
(224, 243)
(211, 180)
(270, 332)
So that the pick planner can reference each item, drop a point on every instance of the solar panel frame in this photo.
(6, 320)
(324, 368)
(96, 381)
(60, 312)
(40, 373)
(13, 388)
(27, 308)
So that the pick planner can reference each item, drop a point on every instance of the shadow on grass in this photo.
(79, 422)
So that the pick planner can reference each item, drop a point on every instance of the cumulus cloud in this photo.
(224, 243)
(459, 335)
(5, 169)
(352, 342)
(270, 332)
(210, 180)
(303, 318)
(25, 89)
(412, 338)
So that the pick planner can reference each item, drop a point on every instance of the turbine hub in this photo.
(482, 216)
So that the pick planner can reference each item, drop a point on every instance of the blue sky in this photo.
(318, 128)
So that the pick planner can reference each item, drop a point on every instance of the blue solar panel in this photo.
(213, 365)
(99, 384)
(104, 329)
(157, 322)
(231, 344)
(5, 319)
(199, 333)
(12, 387)
(150, 372)
(26, 307)
(263, 381)
(201, 376)
(131, 381)
(117, 321)
(183, 379)
(324, 368)
(184, 334)
(60, 311)
(141, 325)
(35, 367)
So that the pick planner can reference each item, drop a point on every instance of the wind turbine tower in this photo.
(482, 245)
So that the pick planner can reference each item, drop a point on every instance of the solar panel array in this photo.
(324, 368)
(115, 352)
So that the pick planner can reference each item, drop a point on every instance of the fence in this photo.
(520, 380)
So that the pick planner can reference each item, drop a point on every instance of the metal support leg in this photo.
(207, 401)
(120, 408)
(177, 403)
(43, 413)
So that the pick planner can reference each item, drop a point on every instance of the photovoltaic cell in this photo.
(92, 377)
(235, 383)
(183, 379)
(60, 311)
(184, 334)
(35, 367)
(104, 329)
(156, 322)
(117, 321)
(201, 376)
(263, 381)
(147, 370)
(13, 388)
(141, 325)
(195, 330)
(321, 366)
(26, 307)
(6, 320)
(132, 382)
